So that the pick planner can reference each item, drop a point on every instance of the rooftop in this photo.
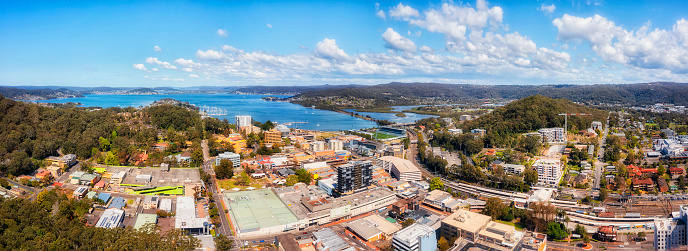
(364, 228)
(467, 220)
(144, 219)
(258, 209)
(410, 233)
(401, 164)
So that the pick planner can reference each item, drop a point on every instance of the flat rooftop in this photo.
(467, 220)
(173, 177)
(257, 209)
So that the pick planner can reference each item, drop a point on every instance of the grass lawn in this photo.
(516, 225)
(378, 135)
(228, 184)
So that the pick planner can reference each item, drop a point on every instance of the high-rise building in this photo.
(417, 237)
(336, 144)
(671, 233)
(552, 135)
(242, 121)
(549, 171)
(273, 136)
(354, 175)
(233, 157)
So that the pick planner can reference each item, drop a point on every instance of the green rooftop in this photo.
(144, 219)
(257, 209)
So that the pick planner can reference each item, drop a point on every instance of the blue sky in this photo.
(183, 43)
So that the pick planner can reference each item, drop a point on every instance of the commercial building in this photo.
(62, 162)
(111, 218)
(549, 171)
(444, 201)
(417, 237)
(186, 218)
(166, 205)
(400, 168)
(514, 168)
(117, 178)
(233, 157)
(327, 240)
(242, 121)
(259, 213)
(373, 228)
(479, 132)
(354, 175)
(335, 144)
(317, 146)
(328, 186)
(473, 226)
(455, 131)
(144, 219)
(552, 135)
(80, 192)
(273, 136)
(596, 125)
(464, 117)
(606, 233)
(671, 233)
(151, 202)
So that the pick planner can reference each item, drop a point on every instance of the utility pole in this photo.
(566, 120)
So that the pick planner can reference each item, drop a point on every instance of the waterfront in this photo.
(237, 104)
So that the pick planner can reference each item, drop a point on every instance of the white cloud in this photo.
(547, 9)
(166, 65)
(193, 75)
(403, 12)
(303, 47)
(328, 49)
(140, 67)
(381, 14)
(187, 63)
(222, 33)
(188, 69)
(231, 49)
(155, 69)
(644, 48)
(397, 42)
(426, 49)
(269, 25)
(157, 48)
(209, 55)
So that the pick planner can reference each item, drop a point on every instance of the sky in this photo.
(242, 43)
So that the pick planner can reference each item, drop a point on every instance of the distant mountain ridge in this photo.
(627, 94)
(38, 94)
(291, 90)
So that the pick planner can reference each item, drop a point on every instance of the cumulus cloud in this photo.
(644, 48)
(222, 33)
(187, 63)
(209, 55)
(231, 49)
(155, 69)
(193, 75)
(269, 25)
(381, 14)
(166, 65)
(426, 49)
(157, 48)
(140, 67)
(328, 49)
(397, 42)
(547, 9)
(403, 11)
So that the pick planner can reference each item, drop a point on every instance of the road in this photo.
(224, 228)
(599, 165)
(206, 153)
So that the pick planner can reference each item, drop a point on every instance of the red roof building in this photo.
(643, 184)
(675, 171)
(662, 185)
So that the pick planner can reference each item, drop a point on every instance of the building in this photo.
(549, 171)
(118, 203)
(643, 184)
(151, 202)
(464, 117)
(662, 185)
(166, 205)
(62, 162)
(473, 227)
(669, 233)
(606, 233)
(552, 135)
(514, 169)
(417, 237)
(596, 125)
(273, 136)
(186, 219)
(328, 185)
(479, 132)
(316, 146)
(327, 240)
(365, 230)
(400, 169)
(233, 157)
(80, 192)
(88, 179)
(111, 218)
(117, 178)
(258, 213)
(54, 170)
(534, 242)
(242, 121)
(335, 145)
(455, 131)
(144, 219)
(354, 175)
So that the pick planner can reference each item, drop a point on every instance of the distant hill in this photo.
(291, 90)
(535, 112)
(408, 93)
(37, 94)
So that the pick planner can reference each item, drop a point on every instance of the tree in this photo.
(530, 176)
(224, 170)
(197, 157)
(104, 144)
(292, 179)
(495, 208)
(661, 170)
(304, 176)
(4, 183)
(442, 244)
(111, 159)
(407, 222)
(603, 194)
(580, 230)
(641, 235)
(556, 230)
(436, 183)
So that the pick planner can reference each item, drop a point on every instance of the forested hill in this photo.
(37, 94)
(290, 90)
(535, 112)
(405, 93)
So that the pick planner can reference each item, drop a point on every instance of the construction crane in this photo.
(566, 122)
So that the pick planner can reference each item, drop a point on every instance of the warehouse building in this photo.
(111, 218)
